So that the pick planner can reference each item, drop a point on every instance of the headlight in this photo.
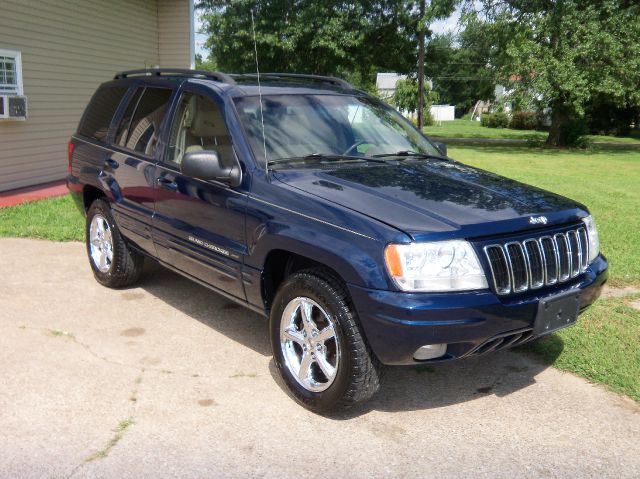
(592, 235)
(436, 266)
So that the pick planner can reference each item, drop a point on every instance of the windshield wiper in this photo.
(323, 157)
(412, 154)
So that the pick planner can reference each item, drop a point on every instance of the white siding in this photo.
(175, 36)
(68, 48)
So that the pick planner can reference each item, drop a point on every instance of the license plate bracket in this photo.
(557, 312)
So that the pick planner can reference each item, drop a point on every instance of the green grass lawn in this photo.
(605, 345)
(473, 129)
(607, 181)
(55, 219)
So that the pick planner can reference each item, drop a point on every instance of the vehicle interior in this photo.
(199, 125)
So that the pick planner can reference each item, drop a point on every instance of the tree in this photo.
(354, 39)
(569, 52)
(426, 14)
(351, 39)
(204, 64)
(460, 66)
(406, 96)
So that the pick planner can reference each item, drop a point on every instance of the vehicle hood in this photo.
(429, 199)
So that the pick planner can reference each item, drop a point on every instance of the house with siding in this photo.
(54, 54)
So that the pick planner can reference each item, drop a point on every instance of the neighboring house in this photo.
(56, 53)
(386, 86)
(502, 95)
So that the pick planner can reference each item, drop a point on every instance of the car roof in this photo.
(239, 85)
(279, 88)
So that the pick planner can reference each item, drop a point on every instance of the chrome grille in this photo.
(519, 266)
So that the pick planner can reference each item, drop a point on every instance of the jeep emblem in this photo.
(538, 220)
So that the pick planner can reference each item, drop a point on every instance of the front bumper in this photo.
(396, 324)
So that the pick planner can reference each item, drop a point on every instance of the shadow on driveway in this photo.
(403, 388)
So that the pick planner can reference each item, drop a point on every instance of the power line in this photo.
(474, 78)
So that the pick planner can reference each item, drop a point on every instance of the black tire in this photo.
(358, 372)
(126, 265)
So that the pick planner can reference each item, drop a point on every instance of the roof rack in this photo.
(217, 76)
(225, 78)
(318, 78)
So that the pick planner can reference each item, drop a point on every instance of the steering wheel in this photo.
(354, 146)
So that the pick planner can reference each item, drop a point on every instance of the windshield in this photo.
(297, 126)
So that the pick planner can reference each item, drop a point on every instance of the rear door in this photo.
(199, 225)
(136, 146)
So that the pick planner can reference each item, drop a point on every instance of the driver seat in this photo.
(209, 132)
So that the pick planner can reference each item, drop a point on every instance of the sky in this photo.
(441, 26)
(200, 38)
(447, 25)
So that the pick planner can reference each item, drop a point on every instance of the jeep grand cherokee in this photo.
(325, 210)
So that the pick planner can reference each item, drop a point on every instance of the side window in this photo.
(141, 132)
(97, 117)
(125, 121)
(198, 125)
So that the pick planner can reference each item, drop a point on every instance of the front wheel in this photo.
(317, 344)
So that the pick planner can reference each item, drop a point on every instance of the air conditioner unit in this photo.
(13, 107)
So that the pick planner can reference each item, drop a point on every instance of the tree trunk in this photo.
(559, 120)
(421, 67)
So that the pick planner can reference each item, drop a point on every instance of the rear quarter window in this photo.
(97, 117)
(139, 128)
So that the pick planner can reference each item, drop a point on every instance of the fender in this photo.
(356, 258)
(336, 253)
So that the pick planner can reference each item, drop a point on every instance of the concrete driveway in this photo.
(171, 380)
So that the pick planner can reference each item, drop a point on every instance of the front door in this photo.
(198, 225)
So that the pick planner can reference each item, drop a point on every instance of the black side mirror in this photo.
(205, 165)
(442, 148)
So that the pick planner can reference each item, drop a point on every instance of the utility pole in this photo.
(421, 28)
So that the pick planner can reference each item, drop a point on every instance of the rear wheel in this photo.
(318, 347)
(113, 263)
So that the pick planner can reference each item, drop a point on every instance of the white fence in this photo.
(443, 112)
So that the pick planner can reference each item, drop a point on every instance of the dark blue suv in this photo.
(322, 208)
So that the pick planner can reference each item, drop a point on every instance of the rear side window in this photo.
(97, 117)
(123, 127)
(140, 126)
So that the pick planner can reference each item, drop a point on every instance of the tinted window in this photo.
(300, 125)
(144, 127)
(97, 117)
(198, 125)
(123, 127)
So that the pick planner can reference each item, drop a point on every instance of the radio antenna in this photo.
(264, 138)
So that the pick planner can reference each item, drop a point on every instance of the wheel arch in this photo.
(279, 264)
(91, 193)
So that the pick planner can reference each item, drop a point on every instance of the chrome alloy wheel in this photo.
(309, 344)
(101, 243)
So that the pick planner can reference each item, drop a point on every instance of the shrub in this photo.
(428, 117)
(495, 120)
(525, 120)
